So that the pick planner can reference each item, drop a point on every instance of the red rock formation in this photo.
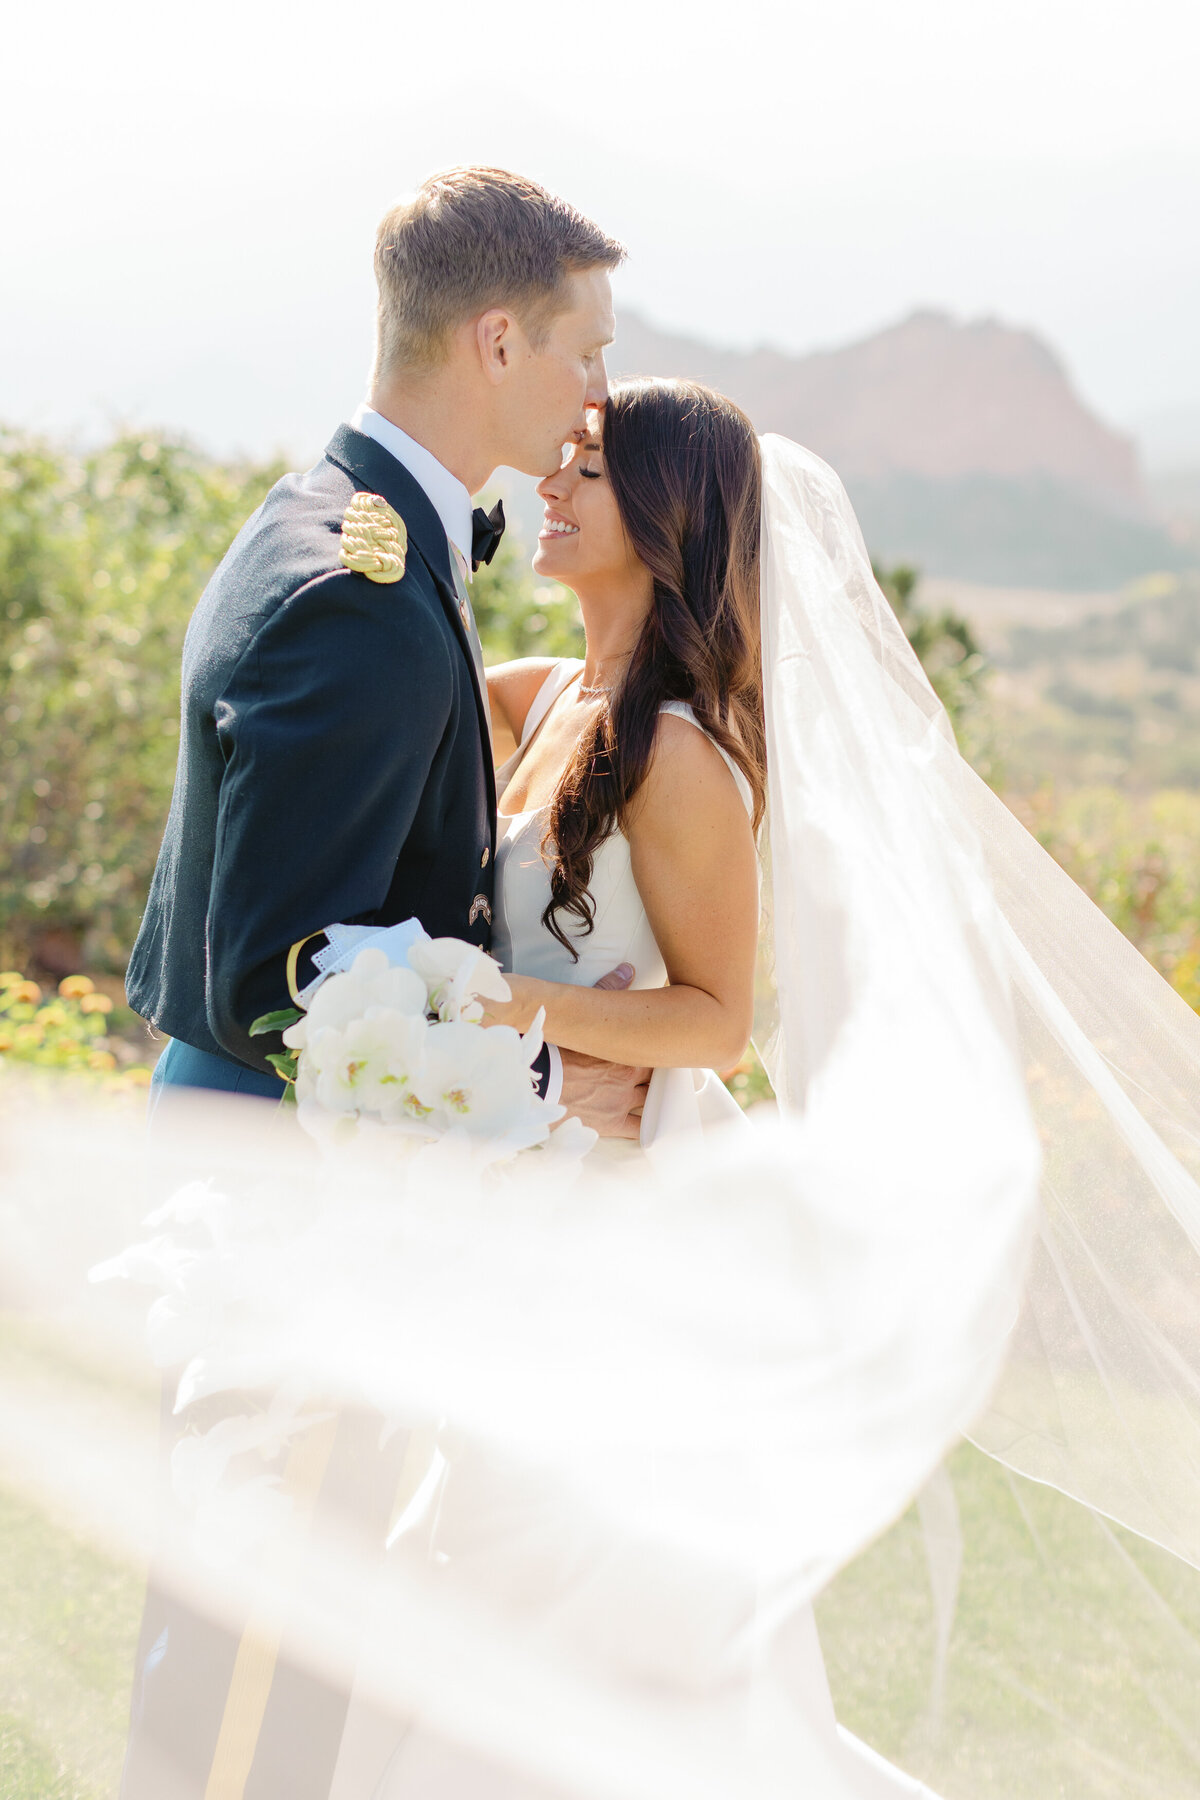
(927, 397)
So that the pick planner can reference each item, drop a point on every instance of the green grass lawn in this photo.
(68, 1623)
(1073, 1669)
(1074, 1659)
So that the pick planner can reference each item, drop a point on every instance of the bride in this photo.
(629, 806)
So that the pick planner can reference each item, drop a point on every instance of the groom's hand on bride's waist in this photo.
(607, 1096)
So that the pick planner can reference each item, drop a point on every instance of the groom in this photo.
(335, 768)
(335, 753)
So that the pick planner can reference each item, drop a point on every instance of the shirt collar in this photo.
(446, 493)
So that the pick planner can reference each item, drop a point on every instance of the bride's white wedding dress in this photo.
(790, 1674)
(679, 1100)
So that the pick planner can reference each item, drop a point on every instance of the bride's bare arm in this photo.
(512, 688)
(695, 865)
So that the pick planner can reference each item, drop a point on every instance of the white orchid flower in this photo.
(370, 982)
(195, 1203)
(159, 1262)
(199, 1464)
(571, 1141)
(178, 1327)
(370, 1060)
(456, 974)
(368, 1066)
(331, 1132)
(475, 1081)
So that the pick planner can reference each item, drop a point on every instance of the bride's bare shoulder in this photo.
(688, 781)
(513, 687)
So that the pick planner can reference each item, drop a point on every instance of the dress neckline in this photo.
(530, 812)
(557, 682)
(559, 679)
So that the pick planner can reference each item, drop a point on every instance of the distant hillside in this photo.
(1110, 692)
(1175, 496)
(964, 447)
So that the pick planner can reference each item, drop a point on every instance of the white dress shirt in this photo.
(445, 492)
(452, 504)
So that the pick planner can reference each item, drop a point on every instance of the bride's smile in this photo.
(583, 539)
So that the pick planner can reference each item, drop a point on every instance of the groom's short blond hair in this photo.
(467, 240)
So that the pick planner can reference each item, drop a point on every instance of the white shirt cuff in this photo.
(343, 943)
(554, 1075)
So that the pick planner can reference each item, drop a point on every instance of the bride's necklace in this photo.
(597, 691)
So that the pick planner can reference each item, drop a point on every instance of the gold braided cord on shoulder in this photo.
(374, 539)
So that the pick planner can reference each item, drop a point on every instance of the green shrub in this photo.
(102, 558)
(518, 615)
(1136, 858)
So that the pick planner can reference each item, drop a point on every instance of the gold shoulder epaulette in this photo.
(374, 538)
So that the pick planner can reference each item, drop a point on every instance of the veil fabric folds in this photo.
(648, 1417)
(924, 893)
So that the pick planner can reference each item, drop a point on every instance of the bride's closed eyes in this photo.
(582, 539)
(593, 468)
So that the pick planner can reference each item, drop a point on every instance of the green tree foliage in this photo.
(944, 641)
(1136, 858)
(955, 664)
(520, 616)
(101, 560)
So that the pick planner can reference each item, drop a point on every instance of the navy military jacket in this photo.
(334, 759)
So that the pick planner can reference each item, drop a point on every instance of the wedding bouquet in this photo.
(399, 1048)
(418, 1103)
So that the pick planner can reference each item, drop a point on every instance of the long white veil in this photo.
(1101, 1395)
(644, 1421)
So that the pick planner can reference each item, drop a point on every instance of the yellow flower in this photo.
(139, 1076)
(10, 978)
(74, 987)
(95, 1003)
(26, 993)
(102, 1061)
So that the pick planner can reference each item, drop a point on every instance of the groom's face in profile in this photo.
(563, 377)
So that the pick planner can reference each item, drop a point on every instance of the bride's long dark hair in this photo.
(684, 466)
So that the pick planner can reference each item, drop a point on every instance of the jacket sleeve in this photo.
(328, 726)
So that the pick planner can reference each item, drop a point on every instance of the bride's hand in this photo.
(528, 994)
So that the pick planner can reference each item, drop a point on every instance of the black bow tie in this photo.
(486, 531)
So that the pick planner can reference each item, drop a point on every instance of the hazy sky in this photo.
(190, 194)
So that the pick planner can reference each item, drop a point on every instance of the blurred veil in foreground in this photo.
(552, 1470)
